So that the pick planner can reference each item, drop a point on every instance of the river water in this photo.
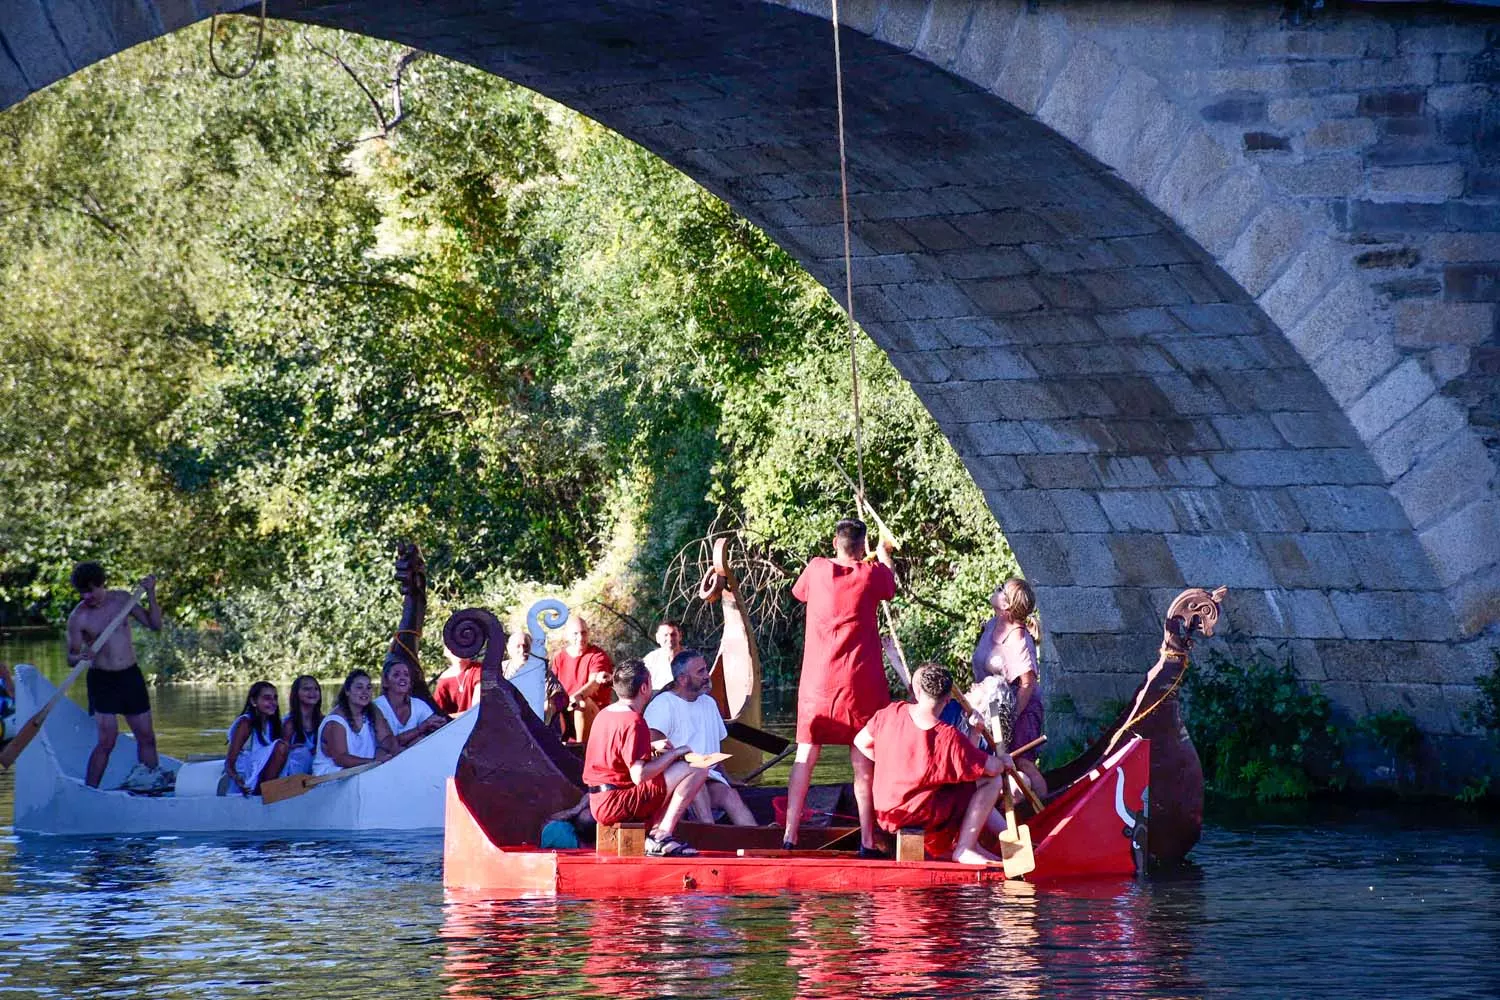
(1304, 902)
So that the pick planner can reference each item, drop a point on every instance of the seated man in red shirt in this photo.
(928, 774)
(584, 671)
(626, 782)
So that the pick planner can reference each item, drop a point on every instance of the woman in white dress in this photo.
(300, 727)
(409, 718)
(354, 733)
(256, 749)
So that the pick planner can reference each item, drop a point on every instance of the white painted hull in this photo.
(406, 793)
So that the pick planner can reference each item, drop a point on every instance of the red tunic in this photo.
(457, 692)
(573, 672)
(617, 740)
(843, 681)
(923, 777)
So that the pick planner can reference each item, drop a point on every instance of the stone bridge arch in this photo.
(1201, 294)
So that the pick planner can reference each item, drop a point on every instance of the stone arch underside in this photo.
(1078, 280)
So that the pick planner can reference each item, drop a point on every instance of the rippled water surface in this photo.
(1347, 903)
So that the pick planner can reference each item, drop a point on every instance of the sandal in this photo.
(668, 847)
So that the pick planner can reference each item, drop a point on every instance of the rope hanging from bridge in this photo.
(260, 37)
(859, 439)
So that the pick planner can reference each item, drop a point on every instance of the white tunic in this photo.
(299, 756)
(695, 724)
(659, 665)
(360, 744)
(252, 756)
(420, 713)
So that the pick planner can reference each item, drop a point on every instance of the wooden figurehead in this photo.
(1175, 799)
(736, 668)
(406, 644)
(514, 771)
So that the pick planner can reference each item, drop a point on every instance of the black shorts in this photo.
(117, 692)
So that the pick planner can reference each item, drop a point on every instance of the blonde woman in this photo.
(1006, 649)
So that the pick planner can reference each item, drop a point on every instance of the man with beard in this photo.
(686, 715)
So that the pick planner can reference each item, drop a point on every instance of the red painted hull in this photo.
(1092, 829)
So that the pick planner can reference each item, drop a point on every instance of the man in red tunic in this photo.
(627, 784)
(843, 680)
(584, 670)
(457, 688)
(928, 774)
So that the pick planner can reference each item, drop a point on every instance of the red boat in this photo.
(1136, 794)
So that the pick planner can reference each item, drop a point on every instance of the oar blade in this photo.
(280, 789)
(22, 739)
(1015, 852)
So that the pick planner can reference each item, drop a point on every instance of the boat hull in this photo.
(1097, 828)
(51, 799)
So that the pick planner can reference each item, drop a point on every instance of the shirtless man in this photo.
(115, 685)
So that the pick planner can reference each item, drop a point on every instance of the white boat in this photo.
(405, 793)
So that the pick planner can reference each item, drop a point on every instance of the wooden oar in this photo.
(984, 730)
(1015, 840)
(33, 726)
(293, 785)
(757, 738)
(767, 766)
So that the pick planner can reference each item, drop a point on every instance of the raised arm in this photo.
(148, 614)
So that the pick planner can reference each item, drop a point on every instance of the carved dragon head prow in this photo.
(1192, 611)
(411, 571)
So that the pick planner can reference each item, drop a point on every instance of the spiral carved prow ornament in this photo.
(514, 770)
(1194, 611)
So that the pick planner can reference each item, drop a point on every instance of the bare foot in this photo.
(974, 856)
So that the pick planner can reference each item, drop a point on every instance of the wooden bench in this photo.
(911, 844)
(622, 840)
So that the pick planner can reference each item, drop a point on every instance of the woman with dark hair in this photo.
(354, 733)
(409, 719)
(256, 749)
(300, 727)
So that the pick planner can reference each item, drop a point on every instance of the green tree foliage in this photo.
(258, 330)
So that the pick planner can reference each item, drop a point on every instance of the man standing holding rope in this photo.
(843, 680)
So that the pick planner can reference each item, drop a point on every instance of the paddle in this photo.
(293, 785)
(1015, 842)
(984, 730)
(33, 726)
(757, 738)
(767, 766)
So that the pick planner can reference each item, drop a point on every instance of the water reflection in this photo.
(1297, 903)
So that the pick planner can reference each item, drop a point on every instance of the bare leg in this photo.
(274, 764)
(981, 804)
(583, 719)
(702, 810)
(864, 796)
(1033, 775)
(726, 798)
(685, 782)
(145, 738)
(797, 785)
(108, 729)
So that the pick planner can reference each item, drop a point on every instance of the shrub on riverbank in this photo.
(1261, 732)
